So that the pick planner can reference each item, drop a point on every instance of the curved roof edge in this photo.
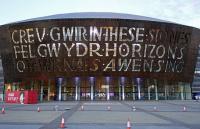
(101, 15)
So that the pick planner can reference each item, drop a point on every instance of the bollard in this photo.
(134, 109)
(38, 109)
(184, 109)
(82, 108)
(3, 110)
(109, 108)
(155, 108)
(56, 107)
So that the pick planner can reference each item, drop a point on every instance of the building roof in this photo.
(101, 15)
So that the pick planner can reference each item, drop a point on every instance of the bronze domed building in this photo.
(99, 56)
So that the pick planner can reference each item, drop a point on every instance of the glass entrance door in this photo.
(104, 88)
(85, 89)
(68, 90)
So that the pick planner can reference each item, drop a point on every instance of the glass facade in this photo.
(1, 81)
(105, 88)
(196, 80)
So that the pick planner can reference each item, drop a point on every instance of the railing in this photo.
(127, 96)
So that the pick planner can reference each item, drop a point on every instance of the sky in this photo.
(186, 12)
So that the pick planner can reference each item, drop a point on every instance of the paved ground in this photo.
(145, 115)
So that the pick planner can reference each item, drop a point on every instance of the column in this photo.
(182, 92)
(122, 83)
(108, 93)
(32, 85)
(92, 92)
(76, 96)
(149, 90)
(107, 88)
(13, 87)
(181, 89)
(156, 88)
(138, 86)
(65, 94)
(187, 91)
(41, 90)
(59, 95)
(79, 92)
(133, 92)
(77, 84)
(166, 89)
(91, 82)
(133, 84)
(123, 94)
(59, 88)
(139, 93)
(49, 89)
(4, 92)
(156, 91)
(120, 96)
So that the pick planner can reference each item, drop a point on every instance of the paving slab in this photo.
(20, 126)
(120, 126)
(29, 116)
(169, 115)
(186, 117)
(113, 117)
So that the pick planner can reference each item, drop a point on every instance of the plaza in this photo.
(96, 115)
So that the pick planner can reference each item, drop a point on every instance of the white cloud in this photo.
(181, 11)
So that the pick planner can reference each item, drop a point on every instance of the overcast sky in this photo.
(185, 12)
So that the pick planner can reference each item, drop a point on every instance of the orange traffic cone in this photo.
(184, 109)
(62, 124)
(38, 109)
(155, 108)
(128, 124)
(109, 108)
(3, 110)
(82, 108)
